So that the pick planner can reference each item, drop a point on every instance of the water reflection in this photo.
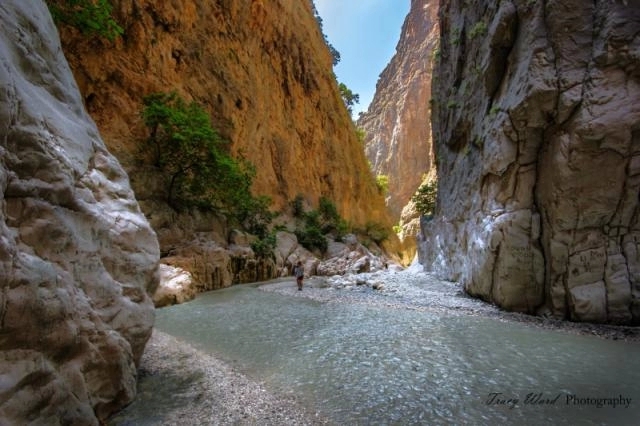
(360, 364)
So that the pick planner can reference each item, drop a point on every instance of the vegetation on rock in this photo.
(425, 198)
(199, 171)
(92, 17)
(326, 222)
(382, 182)
(375, 232)
(334, 52)
(332, 222)
(348, 97)
(317, 224)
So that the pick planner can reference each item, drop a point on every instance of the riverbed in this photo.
(391, 348)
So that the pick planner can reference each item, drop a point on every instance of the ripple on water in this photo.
(374, 365)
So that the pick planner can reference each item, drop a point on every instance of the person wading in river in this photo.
(298, 271)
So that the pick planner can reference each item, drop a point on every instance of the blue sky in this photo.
(366, 33)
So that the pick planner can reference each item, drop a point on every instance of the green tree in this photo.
(311, 235)
(382, 182)
(331, 221)
(319, 223)
(348, 97)
(297, 206)
(92, 17)
(190, 153)
(334, 52)
(425, 198)
(376, 232)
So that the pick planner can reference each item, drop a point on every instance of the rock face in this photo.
(537, 135)
(397, 123)
(263, 71)
(77, 256)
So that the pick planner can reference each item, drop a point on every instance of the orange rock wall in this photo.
(263, 71)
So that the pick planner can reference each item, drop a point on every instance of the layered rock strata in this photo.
(77, 256)
(397, 124)
(537, 133)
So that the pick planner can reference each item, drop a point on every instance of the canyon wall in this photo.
(537, 137)
(263, 71)
(77, 256)
(397, 123)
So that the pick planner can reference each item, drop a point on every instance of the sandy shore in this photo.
(200, 389)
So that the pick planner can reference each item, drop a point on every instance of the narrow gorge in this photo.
(264, 74)
(397, 124)
(85, 221)
(525, 114)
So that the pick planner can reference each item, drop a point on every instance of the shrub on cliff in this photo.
(425, 198)
(297, 206)
(382, 183)
(348, 97)
(318, 224)
(331, 221)
(92, 17)
(198, 170)
(335, 55)
(375, 232)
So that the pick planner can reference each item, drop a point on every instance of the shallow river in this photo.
(360, 364)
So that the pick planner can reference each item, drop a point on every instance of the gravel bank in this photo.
(199, 389)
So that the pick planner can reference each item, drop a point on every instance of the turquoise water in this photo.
(358, 364)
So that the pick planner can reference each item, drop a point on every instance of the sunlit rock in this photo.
(176, 286)
(397, 124)
(262, 71)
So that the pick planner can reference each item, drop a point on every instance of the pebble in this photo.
(217, 394)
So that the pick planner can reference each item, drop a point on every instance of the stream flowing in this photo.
(375, 364)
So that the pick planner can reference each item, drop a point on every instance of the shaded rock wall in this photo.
(77, 256)
(398, 121)
(537, 134)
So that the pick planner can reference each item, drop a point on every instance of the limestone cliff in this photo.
(77, 256)
(536, 128)
(397, 124)
(263, 71)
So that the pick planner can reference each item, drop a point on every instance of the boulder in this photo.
(176, 286)
(77, 256)
(349, 257)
